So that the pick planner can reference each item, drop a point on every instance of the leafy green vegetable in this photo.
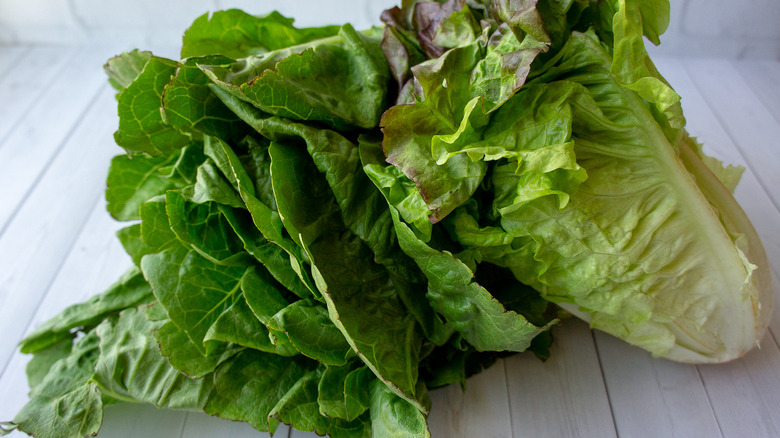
(360, 299)
(248, 387)
(132, 181)
(631, 250)
(128, 291)
(128, 344)
(341, 81)
(189, 105)
(123, 69)
(141, 128)
(308, 253)
(236, 34)
(66, 402)
(468, 307)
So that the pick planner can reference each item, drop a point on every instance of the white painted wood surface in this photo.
(57, 247)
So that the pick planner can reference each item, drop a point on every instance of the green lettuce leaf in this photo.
(211, 185)
(194, 291)
(357, 290)
(273, 257)
(309, 329)
(468, 307)
(191, 107)
(66, 403)
(123, 69)
(392, 416)
(299, 409)
(459, 90)
(141, 126)
(343, 391)
(631, 64)
(265, 218)
(182, 353)
(340, 81)
(44, 359)
(205, 229)
(127, 346)
(129, 291)
(249, 387)
(236, 34)
(133, 180)
(239, 326)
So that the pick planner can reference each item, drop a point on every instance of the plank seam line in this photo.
(726, 127)
(54, 277)
(508, 400)
(604, 382)
(769, 330)
(184, 424)
(51, 160)
(772, 336)
(15, 61)
(709, 400)
(41, 92)
(78, 18)
(751, 85)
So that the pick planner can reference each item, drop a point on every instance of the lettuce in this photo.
(329, 223)
(587, 186)
(642, 249)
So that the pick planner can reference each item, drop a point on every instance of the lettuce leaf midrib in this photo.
(690, 194)
(674, 174)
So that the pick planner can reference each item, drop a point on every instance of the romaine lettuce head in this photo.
(609, 209)
(651, 247)
(671, 264)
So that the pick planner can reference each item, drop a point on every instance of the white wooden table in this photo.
(57, 247)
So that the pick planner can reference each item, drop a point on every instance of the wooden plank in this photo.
(745, 393)
(26, 81)
(200, 425)
(94, 262)
(762, 78)
(654, 397)
(34, 244)
(743, 116)
(33, 143)
(482, 410)
(564, 396)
